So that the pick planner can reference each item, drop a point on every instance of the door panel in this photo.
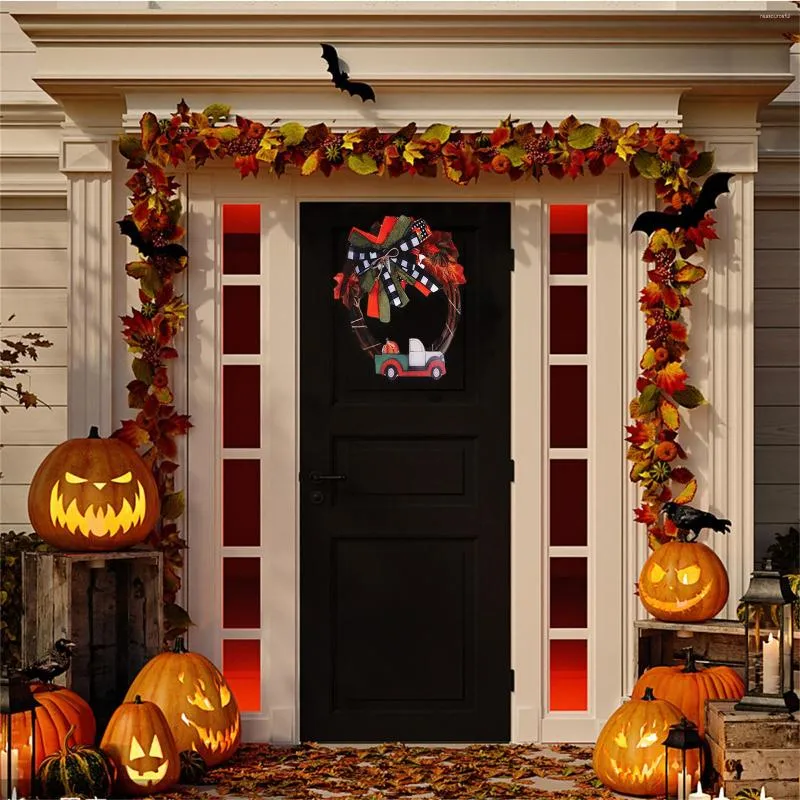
(405, 565)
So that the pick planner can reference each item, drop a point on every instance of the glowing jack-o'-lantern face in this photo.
(140, 742)
(93, 494)
(197, 702)
(629, 754)
(683, 581)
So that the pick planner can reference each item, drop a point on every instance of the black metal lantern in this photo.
(684, 737)
(17, 764)
(769, 630)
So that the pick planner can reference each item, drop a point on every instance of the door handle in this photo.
(315, 477)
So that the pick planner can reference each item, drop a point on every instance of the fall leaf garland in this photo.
(518, 150)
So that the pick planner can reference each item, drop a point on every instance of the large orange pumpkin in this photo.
(93, 494)
(196, 700)
(688, 688)
(629, 753)
(59, 710)
(683, 582)
(141, 745)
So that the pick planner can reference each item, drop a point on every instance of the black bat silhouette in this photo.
(128, 228)
(688, 216)
(341, 80)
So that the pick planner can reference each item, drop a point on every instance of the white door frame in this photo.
(207, 190)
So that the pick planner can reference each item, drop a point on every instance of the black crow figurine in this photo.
(691, 519)
(53, 663)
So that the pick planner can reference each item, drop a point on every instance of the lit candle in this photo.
(764, 795)
(4, 771)
(699, 794)
(684, 785)
(771, 683)
(722, 795)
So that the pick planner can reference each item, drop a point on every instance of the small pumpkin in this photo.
(196, 700)
(683, 582)
(59, 709)
(139, 742)
(390, 347)
(77, 770)
(93, 494)
(629, 754)
(687, 687)
(193, 767)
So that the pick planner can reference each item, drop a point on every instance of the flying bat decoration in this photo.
(688, 216)
(341, 80)
(128, 228)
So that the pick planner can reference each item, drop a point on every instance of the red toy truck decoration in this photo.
(419, 363)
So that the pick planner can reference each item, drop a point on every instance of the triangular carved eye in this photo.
(224, 695)
(136, 750)
(155, 749)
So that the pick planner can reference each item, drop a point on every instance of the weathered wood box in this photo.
(753, 749)
(718, 641)
(110, 604)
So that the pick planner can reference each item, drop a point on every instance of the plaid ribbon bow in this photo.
(395, 258)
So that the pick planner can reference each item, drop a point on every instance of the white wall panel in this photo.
(33, 229)
(40, 269)
(34, 308)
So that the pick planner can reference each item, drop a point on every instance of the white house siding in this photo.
(33, 266)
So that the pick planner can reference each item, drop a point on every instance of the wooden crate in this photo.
(752, 749)
(110, 604)
(718, 641)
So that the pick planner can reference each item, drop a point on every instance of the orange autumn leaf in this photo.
(677, 330)
(669, 414)
(671, 298)
(671, 378)
(650, 296)
(688, 493)
(691, 273)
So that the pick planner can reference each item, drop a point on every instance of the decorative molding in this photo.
(777, 175)
(86, 155)
(91, 332)
(31, 175)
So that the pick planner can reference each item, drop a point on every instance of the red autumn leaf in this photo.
(681, 475)
(645, 514)
(671, 378)
(132, 434)
(650, 296)
(637, 434)
(671, 298)
(677, 330)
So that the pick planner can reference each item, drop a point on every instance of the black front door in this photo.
(405, 564)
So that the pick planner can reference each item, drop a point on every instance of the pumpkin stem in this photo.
(65, 748)
(179, 646)
(648, 694)
(690, 660)
(138, 699)
(94, 433)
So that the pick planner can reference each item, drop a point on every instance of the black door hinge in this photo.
(512, 681)
(513, 471)
(511, 259)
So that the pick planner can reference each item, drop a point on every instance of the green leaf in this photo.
(172, 505)
(437, 131)
(584, 136)
(143, 371)
(515, 153)
(151, 283)
(648, 399)
(138, 269)
(130, 146)
(217, 112)
(703, 164)
(689, 397)
(150, 129)
(367, 281)
(362, 163)
(647, 164)
(293, 133)
(384, 307)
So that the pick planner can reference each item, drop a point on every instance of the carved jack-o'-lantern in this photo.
(390, 347)
(629, 754)
(140, 743)
(196, 700)
(683, 582)
(93, 494)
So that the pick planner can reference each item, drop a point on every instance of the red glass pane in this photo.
(241, 405)
(241, 239)
(241, 502)
(568, 319)
(568, 406)
(568, 593)
(568, 675)
(241, 666)
(241, 319)
(568, 499)
(568, 239)
(241, 592)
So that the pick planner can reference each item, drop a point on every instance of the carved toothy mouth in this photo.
(675, 605)
(151, 777)
(95, 521)
(214, 740)
(637, 773)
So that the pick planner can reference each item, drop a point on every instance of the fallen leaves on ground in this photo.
(398, 772)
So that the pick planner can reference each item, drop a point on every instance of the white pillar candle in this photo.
(4, 771)
(771, 654)
(764, 794)
(722, 795)
(684, 785)
(699, 794)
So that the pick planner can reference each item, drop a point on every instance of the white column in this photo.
(87, 163)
